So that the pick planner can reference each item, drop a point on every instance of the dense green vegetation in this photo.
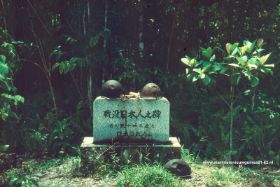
(55, 55)
(65, 171)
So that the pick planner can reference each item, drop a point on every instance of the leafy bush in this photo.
(54, 135)
(8, 98)
(238, 106)
(8, 67)
(19, 178)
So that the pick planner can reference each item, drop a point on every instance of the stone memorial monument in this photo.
(132, 120)
(134, 126)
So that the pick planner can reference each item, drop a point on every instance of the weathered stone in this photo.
(179, 167)
(111, 89)
(150, 90)
(132, 120)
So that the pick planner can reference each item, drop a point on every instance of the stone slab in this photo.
(94, 154)
(134, 119)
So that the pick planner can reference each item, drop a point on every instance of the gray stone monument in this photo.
(136, 129)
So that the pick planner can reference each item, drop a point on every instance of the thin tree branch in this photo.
(4, 17)
(223, 98)
(39, 18)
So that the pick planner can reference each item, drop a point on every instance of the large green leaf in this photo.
(4, 69)
(213, 57)
(254, 81)
(206, 65)
(207, 80)
(186, 60)
(243, 49)
(258, 51)
(234, 48)
(266, 70)
(195, 78)
(228, 47)
(202, 75)
(234, 65)
(197, 70)
(217, 67)
(253, 60)
(253, 63)
(264, 58)
(252, 66)
(207, 53)
(242, 60)
(224, 69)
(251, 46)
(269, 65)
(235, 51)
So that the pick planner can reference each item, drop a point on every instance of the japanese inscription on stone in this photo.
(132, 119)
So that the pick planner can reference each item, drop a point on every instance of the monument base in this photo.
(94, 154)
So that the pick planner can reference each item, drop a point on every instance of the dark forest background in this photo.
(60, 52)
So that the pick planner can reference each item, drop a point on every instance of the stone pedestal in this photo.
(92, 152)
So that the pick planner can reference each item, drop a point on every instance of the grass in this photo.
(210, 175)
(147, 175)
(65, 172)
(227, 175)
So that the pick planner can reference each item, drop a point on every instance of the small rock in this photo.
(111, 89)
(150, 90)
(178, 167)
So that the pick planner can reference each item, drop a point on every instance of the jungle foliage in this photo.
(55, 55)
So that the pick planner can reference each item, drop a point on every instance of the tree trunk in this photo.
(3, 10)
(170, 41)
(231, 119)
(253, 100)
(140, 34)
(105, 41)
(52, 92)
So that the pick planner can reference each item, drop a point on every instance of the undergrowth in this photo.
(66, 171)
